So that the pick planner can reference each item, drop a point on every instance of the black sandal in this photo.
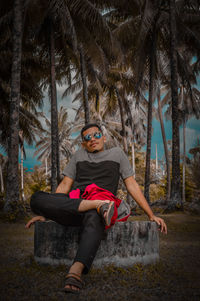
(109, 209)
(74, 280)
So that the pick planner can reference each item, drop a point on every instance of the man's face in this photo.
(94, 144)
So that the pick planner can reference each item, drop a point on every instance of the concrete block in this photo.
(126, 243)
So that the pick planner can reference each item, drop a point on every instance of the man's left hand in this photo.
(160, 222)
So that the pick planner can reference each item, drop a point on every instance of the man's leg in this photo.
(74, 212)
(92, 233)
(60, 208)
(57, 207)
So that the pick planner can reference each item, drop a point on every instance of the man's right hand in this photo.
(35, 219)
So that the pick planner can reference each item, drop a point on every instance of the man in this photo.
(101, 168)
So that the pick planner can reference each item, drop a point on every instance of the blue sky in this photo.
(192, 131)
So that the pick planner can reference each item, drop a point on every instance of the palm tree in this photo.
(185, 96)
(22, 155)
(85, 91)
(19, 95)
(175, 187)
(141, 33)
(164, 143)
(140, 26)
(188, 102)
(195, 164)
(12, 195)
(67, 16)
(43, 144)
(3, 162)
(55, 164)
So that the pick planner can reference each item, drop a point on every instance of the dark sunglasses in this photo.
(96, 135)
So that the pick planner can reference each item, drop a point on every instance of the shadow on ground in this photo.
(175, 277)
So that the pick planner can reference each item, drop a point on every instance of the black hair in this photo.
(88, 126)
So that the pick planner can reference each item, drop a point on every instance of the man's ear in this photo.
(82, 144)
(104, 139)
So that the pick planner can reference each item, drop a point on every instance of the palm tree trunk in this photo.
(12, 195)
(122, 120)
(133, 156)
(156, 163)
(22, 172)
(55, 164)
(46, 171)
(165, 146)
(130, 123)
(149, 123)
(128, 112)
(184, 155)
(129, 198)
(1, 179)
(85, 89)
(175, 201)
(97, 103)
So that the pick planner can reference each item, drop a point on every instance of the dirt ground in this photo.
(176, 277)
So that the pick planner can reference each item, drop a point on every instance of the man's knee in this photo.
(36, 200)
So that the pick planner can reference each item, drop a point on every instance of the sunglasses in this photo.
(96, 135)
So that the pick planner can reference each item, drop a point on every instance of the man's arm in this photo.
(135, 191)
(65, 185)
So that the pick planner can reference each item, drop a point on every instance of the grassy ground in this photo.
(176, 277)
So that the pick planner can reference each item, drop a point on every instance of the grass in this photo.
(175, 277)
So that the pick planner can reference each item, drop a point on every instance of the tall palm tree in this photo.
(12, 195)
(175, 187)
(22, 155)
(139, 26)
(43, 145)
(55, 164)
(71, 13)
(19, 92)
(3, 162)
(150, 105)
(164, 143)
(85, 90)
(122, 115)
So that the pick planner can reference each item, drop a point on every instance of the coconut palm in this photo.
(19, 94)
(188, 96)
(186, 19)
(71, 22)
(164, 142)
(3, 164)
(195, 163)
(43, 144)
(142, 28)
(12, 195)
(175, 188)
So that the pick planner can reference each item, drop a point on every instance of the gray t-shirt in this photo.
(103, 168)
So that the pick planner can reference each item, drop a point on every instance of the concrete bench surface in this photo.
(126, 243)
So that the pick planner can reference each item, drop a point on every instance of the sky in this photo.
(192, 131)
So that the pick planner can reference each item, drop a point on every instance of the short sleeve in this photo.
(70, 169)
(125, 166)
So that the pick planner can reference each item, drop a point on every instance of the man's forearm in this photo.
(135, 191)
(65, 185)
(61, 188)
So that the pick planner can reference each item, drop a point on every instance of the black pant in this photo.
(63, 210)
